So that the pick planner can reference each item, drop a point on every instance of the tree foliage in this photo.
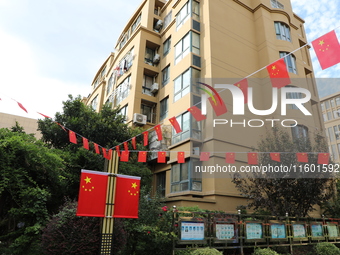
(32, 182)
(295, 196)
(66, 233)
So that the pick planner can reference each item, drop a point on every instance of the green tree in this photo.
(284, 193)
(106, 128)
(31, 186)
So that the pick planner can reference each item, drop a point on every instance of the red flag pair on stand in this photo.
(93, 195)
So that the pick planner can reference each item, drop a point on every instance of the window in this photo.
(196, 10)
(330, 134)
(166, 46)
(163, 108)
(190, 42)
(190, 128)
(124, 111)
(329, 115)
(282, 31)
(147, 83)
(334, 152)
(337, 101)
(125, 63)
(182, 85)
(332, 103)
(299, 131)
(290, 61)
(184, 122)
(293, 95)
(148, 109)
(109, 84)
(149, 55)
(182, 178)
(94, 103)
(124, 40)
(122, 91)
(336, 114)
(336, 132)
(322, 106)
(195, 43)
(277, 4)
(167, 19)
(160, 182)
(327, 105)
(136, 23)
(165, 75)
(183, 15)
(324, 115)
(182, 48)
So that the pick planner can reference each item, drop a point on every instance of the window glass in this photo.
(165, 75)
(163, 108)
(166, 46)
(290, 61)
(282, 31)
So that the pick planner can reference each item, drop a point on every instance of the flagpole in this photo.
(108, 221)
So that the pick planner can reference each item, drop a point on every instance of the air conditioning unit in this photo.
(159, 25)
(154, 88)
(139, 119)
(156, 58)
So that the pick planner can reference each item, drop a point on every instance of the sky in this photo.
(50, 49)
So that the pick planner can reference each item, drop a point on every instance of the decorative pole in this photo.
(108, 221)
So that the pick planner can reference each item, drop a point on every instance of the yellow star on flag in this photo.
(134, 185)
(321, 42)
(87, 180)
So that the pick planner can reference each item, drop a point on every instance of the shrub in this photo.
(327, 249)
(266, 251)
(206, 251)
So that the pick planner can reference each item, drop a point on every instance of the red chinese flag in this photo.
(126, 196)
(118, 150)
(180, 157)
(21, 106)
(278, 74)
(218, 106)
(145, 138)
(230, 157)
(72, 136)
(96, 148)
(124, 156)
(323, 158)
(302, 157)
(142, 156)
(107, 153)
(62, 127)
(204, 156)
(85, 143)
(252, 158)
(92, 193)
(243, 85)
(196, 113)
(275, 156)
(126, 146)
(327, 50)
(133, 141)
(161, 157)
(175, 124)
(42, 114)
(158, 130)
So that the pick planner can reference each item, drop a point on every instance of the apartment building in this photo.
(330, 106)
(166, 47)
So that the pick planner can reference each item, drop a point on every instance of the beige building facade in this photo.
(166, 47)
(330, 106)
(30, 125)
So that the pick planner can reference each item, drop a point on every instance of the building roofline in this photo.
(330, 96)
